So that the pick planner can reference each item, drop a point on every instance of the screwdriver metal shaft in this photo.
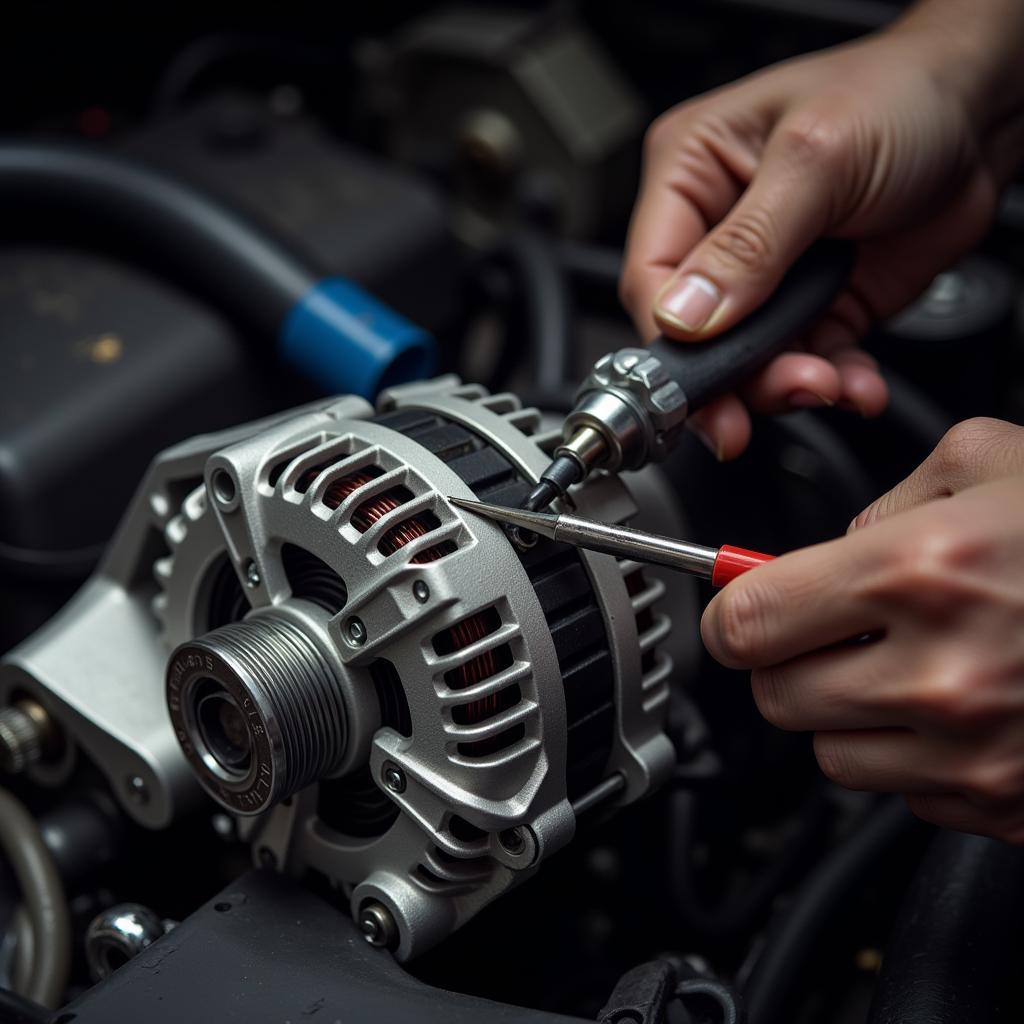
(719, 565)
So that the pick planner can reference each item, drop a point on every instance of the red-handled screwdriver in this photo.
(719, 565)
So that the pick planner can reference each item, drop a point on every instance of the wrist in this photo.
(972, 49)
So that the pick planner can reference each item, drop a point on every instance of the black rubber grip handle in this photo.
(707, 369)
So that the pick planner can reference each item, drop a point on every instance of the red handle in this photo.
(732, 562)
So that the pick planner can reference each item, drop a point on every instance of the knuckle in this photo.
(941, 696)
(960, 445)
(928, 808)
(771, 696)
(927, 564)
(661, 132)
(956, 697)
(746, 241)
(995, 782)
(836, 761)
(741, 623)
(815, 142)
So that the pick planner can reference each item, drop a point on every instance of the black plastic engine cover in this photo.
(265, 951)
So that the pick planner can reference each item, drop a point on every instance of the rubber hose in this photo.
(953, 939)
(43, 894)
(792, 939)
(538, 271)
(15, 1009)
(250, 274)
(740, 910)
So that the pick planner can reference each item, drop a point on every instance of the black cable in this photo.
(201, 55)
(730, 1009)
(43, 895)
(533, 259)
(15, 1009)
(952, 948)
(37, 563)
(913, 413)
(739, 911)
(795, 934)
(835, 460)
(591, 263)
(251, 274)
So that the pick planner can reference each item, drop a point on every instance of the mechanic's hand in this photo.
(933, 706)
(891, 141)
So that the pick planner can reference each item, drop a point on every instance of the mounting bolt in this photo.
(252, 575)
(25, 730)
(377, 925)
(356, 632)
(421, 592)
(138, 791)
(393, 776)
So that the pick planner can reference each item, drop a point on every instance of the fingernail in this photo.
(804, 399)
(709, 442)
(689, 302)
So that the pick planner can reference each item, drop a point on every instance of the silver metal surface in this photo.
(118, 934)
(636, 407)
(257, 710)
(22, 733)
(609, 538)
(98, 666)
(377, 925)
(215, 515)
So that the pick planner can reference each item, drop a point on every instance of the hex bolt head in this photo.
(393, 777)
(138, 791)
(377, 925)
(355, 631)
(252, 575)
(421, 592)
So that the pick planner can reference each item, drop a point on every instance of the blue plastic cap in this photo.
(347, 341)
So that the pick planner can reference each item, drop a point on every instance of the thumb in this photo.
(970, 453)
(738, 265)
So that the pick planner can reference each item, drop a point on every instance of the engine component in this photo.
(26, 734)
(271, 929)
(522, 111)
(632, 405)
(118, 934)
(330, 329)
(356, 215)
(385, 690)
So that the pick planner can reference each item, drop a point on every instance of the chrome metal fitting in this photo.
(636, 407)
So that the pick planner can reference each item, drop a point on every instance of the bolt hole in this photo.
(223, 486)
(512, 841)
(222, 908)
(114, 958)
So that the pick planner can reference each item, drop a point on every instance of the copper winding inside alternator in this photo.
(477, 669)
(463, 633)
(369, 512)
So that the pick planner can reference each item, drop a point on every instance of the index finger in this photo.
(800, 602)
(685, 189)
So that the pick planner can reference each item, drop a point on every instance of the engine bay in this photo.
(284, 732)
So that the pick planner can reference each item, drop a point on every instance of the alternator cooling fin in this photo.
(562, 585)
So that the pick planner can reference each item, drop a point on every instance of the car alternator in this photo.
(383, 688)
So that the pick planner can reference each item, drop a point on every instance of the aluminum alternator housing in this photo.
(381, 686)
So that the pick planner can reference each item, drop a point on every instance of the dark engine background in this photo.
(332, 125)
